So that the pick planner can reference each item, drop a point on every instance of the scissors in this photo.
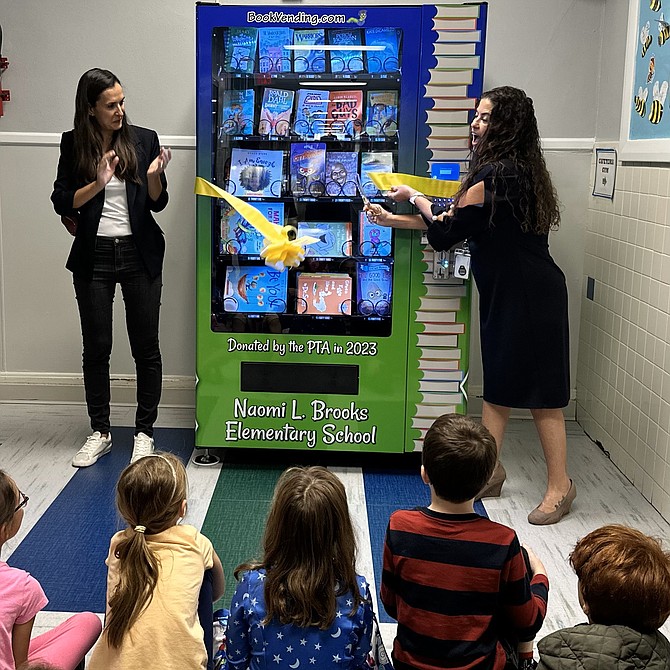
(359, 186)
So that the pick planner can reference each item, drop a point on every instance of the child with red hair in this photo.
(624, 590)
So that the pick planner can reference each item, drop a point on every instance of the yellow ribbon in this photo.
(438, 188)
(279, 250)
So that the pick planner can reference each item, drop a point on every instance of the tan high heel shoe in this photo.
(539, 518)
(494, 485)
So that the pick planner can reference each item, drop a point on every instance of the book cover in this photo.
(311, 112)
(381, 117)
(240, 237)
(255, 289)
(341, 173)
(374, 161)
(373, 239)
(255, 172)
(345, 113)
(240, 49)
(334, 238)
(276, 108)
(347, 58)
(373, 288)
(387, 58)
(308, 168)
(237, 112)
(323, 294)
(273, 56)
(309, 59)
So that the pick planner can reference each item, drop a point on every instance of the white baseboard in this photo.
(178, 391)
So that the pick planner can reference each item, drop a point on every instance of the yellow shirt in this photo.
(168, 633)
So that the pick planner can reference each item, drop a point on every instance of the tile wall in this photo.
(623, 378)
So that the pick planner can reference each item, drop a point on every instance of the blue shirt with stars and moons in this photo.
(345, 645)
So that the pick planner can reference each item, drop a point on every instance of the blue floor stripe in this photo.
(385, 492)
(78, 525)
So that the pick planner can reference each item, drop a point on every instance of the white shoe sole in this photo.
(75, 464)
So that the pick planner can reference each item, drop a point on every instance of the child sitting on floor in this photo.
(302, 604)
(21, 598)
(458, 584)
(624, 590)
(155, 573)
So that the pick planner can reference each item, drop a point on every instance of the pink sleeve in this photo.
(32, 599)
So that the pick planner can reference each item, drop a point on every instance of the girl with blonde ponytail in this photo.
(155, 573)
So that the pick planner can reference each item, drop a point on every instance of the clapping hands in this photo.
(106, 167)
(160, 163)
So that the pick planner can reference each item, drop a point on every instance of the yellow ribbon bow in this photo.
(281, 247)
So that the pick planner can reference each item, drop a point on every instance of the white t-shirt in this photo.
(115, 221)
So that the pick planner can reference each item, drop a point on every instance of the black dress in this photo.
(523, 299)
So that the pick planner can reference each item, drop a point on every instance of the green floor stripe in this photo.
(236, 516)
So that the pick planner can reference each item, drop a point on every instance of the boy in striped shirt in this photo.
(465, 594)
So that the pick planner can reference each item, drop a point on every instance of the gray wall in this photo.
(562, 53)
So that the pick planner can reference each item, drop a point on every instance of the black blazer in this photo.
(147, 234)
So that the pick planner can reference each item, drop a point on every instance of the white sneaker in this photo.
(95, 446)
(143, 445)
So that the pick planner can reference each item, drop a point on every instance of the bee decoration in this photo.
(641, 101)
(645, 38)
(658, 94)
(652, 68)
(663, 31)
(655, 5)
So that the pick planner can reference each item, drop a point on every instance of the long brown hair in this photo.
(88, 141)
(513, 136)
(309, 549)
(149, 494)
(7, 499)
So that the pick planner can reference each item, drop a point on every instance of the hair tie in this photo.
(140, 529)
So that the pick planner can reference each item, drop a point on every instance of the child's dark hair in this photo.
(149, 496)
(624, 577)
(459, 456)
(7, 498)
(309, 549)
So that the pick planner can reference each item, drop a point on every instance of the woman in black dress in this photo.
(505, 207)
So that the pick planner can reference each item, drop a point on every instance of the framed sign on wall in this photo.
(645, 123)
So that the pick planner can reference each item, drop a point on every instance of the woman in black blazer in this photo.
(111, 177)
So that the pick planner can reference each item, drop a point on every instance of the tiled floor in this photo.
(38, 441)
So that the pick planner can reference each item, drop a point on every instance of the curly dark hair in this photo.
(513, 137)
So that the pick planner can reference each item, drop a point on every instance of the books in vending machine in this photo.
(297, 106)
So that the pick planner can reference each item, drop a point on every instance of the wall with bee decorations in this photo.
(623, 367)
(651, 72)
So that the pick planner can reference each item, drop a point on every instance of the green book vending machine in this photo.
(364, 343)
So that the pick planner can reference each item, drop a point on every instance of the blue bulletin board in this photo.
(645, 128)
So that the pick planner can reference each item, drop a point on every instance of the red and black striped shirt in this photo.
(457, 585)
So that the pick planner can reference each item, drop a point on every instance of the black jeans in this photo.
(118, 262)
